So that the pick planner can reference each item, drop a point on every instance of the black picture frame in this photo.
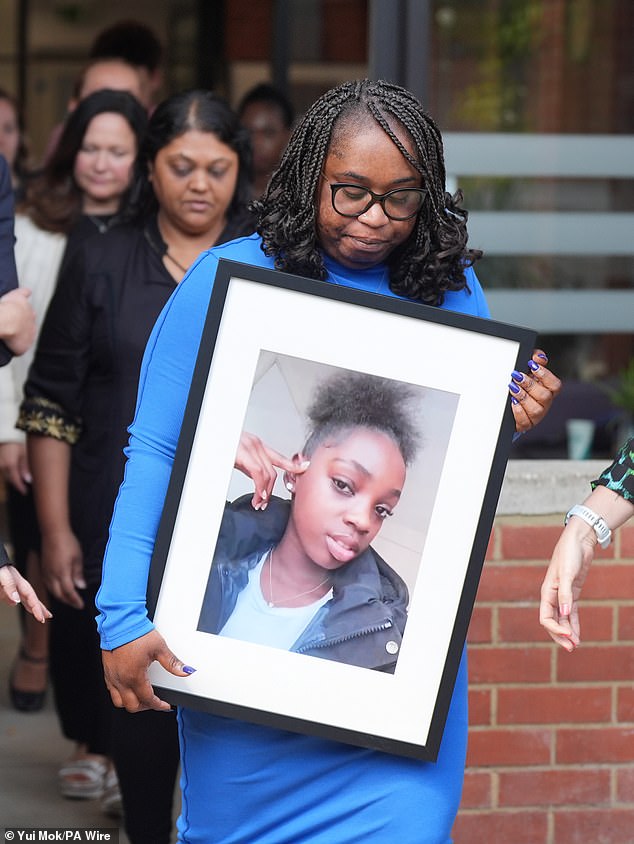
(285, 326)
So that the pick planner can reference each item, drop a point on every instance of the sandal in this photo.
(111, 803)
(83, 779)
(21, 699)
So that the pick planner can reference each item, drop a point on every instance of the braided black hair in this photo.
(433, 258)
(350, 400)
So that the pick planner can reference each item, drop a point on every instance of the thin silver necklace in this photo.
(102, 226)
(174, 261)
(272, 602)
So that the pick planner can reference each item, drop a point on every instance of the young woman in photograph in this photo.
(301, 574)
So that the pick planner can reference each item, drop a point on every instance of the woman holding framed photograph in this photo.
(358, 200)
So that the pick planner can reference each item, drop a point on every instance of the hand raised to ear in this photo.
(261, 463)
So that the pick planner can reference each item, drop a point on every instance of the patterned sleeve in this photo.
(53, 392)
(620, 475)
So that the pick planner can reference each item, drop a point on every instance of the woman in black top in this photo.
(74, 196)
(190, 192)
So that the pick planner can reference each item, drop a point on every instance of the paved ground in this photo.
(31, 750)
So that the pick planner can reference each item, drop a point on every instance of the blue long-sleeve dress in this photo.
(242, 783)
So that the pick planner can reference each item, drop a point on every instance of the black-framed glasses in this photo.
(354, 200)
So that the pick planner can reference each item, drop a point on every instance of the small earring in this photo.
(290, 486)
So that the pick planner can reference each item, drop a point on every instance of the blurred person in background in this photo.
(77, 195)
(268, 116)
(190, 191)
(138, 45)
(112, 73)
(100, 74)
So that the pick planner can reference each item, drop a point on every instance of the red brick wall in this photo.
(551, 743)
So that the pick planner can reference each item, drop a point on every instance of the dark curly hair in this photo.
(434, 257)
(349, 400)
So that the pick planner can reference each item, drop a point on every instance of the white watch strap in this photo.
(598, 523)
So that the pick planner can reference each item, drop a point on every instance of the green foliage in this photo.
(509, 33)
(622, 394)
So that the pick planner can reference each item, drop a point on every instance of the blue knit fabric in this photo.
(241, 783)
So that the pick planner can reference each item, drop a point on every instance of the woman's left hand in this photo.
(15, 589)
(532, 393)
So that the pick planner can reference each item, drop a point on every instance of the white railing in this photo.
(574, 233)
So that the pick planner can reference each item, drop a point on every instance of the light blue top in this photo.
(241, 783)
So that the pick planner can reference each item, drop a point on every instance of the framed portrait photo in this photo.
(338, 603)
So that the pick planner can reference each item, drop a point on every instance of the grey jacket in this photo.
(362, 624)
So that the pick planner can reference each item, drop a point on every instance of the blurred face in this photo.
(113, 74)
(151, 82)
(103, 165)
(268, 134)
(194, 178)
(9, 132)
(345, 495)
(364, 156)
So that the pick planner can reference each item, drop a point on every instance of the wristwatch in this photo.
(598, 523)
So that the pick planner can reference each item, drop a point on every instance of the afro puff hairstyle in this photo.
(350, 400)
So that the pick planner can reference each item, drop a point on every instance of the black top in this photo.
(82, 385)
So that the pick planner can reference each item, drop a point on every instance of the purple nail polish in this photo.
(542, 356)
(532, 365)
(514, 400)
(188, 669)
(514, 388)
(517, 376)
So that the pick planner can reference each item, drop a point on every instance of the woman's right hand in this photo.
(125, 669)
(63, 567)
(260, 463)
(14, 466)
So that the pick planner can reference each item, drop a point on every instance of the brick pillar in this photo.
(551, 744)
